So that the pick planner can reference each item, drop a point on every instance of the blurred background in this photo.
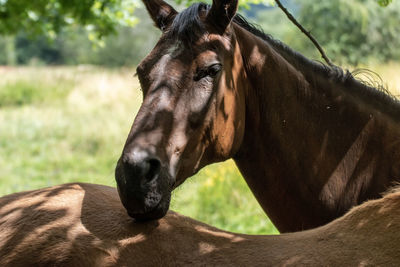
(68, 94)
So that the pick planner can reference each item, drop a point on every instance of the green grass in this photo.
(32, 89)
(219, 195)
(60, 125)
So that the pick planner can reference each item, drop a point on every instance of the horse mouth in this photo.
(144, 200)
(157, 212)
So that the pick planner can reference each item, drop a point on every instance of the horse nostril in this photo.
(141, 169)
(154, 166)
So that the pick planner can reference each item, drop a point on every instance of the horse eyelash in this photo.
(199, 75)
(202, 73)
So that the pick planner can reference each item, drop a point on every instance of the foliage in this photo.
(38, 50)
(100, 17)
(384, 2)
(125, 49)
(48, 17)
(351, 32)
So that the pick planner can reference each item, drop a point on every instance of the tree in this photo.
(48, 17)
(353, 31)
(68, 23)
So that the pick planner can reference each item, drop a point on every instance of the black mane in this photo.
(187, 25)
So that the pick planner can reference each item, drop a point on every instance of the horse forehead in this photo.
(203, 42)
(160, 69)
(177, 52)
(169, 70)
(175, 49)
(160, 55)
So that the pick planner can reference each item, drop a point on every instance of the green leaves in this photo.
(246, 3)
(355, 19)
(384, 2)
(48, 17)
(353, 32)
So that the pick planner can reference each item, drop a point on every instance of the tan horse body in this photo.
(86, 225)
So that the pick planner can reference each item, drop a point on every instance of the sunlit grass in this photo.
(77, 139)
(220, 196)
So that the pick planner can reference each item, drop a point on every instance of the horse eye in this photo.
(213, 70)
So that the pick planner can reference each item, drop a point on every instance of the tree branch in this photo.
(308, 34)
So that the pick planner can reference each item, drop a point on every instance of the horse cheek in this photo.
(228, 126)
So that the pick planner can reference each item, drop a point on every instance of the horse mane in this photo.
(372, 80)
(188, 26)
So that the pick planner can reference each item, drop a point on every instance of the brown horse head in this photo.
(193, 108)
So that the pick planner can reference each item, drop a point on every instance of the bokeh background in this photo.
(68, 98)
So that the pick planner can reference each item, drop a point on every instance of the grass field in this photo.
(66, 124)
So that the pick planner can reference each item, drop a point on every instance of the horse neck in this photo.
(312, 148)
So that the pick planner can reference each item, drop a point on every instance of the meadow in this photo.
(69, 124)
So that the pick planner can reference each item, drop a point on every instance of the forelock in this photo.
(187, 25)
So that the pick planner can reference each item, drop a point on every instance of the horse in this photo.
(310, 140)
(86, 225)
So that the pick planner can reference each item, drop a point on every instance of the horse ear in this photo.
(222, 12)
(161, 13)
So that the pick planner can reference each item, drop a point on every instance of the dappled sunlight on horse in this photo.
(86, 225)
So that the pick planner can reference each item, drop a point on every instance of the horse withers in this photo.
(310, 140)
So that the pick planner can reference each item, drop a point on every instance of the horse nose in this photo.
(141, 167)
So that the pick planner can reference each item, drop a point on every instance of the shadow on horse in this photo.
(310, 140)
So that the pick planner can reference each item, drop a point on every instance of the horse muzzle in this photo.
(144, 186)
